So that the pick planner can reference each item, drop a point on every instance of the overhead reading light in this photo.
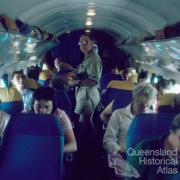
(91, 4)
(87, 30)
(91, 12)
(88, 23)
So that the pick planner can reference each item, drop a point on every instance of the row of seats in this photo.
(121, 93)
(11, 100)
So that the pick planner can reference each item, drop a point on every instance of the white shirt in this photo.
(4, 119)
(64, 119)
(116, 132)
(27, 96)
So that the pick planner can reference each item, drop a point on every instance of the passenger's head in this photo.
(47, 61)
(33, 72)
(86, 43)
(115, 69)
(127, 73)
(45, 66)
(175, 133)
(57, 63)
(44, 100)
(143, 77)
(144, 96)
(18, 79)
(163, 86)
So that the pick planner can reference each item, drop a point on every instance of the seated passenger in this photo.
(62, 98)
(33, 72)
(127, 73)
(45, 74)
(19, 82)
(114, 74)
(44, 103)
(115, 136)
(161, 160)
(61, 66)
(116, 97)
(143, 77)
(163, 87)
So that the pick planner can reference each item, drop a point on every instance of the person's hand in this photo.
(73, 82)
(122, 166)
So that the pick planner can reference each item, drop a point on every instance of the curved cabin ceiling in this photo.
(123, 19)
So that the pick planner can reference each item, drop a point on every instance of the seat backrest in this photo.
(165, 103)
(10, 100)
(106, 78)
(32, 148)
(176, 176)
(165, 109)
(148, 125)
(122, 100)
(31, 84)
(44, 75)
(12, 107)
(120, 91)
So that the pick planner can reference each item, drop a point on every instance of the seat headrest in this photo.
(9, 94)
(31, 84)
(126, 85)
(148, 125)
(167, 99)
(36, 124)
(133, 78)
(45, 74)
